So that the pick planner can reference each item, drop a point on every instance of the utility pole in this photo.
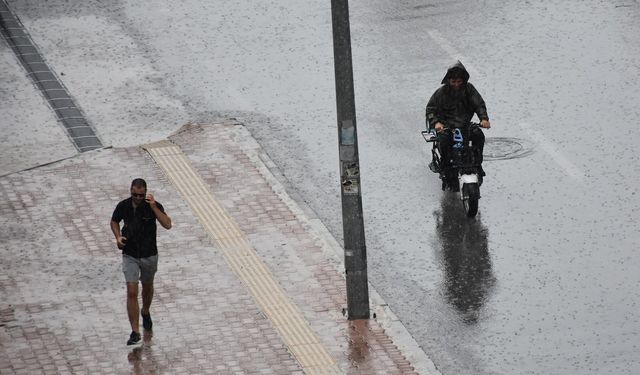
(355, 251)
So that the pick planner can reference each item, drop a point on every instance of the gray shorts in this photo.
(143, 269)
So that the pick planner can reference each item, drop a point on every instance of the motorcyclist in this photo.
(453, 106)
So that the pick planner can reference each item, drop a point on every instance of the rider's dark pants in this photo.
(445, 140)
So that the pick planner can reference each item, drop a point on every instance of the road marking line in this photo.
(557, 156)
(453, 53)
(294, 330)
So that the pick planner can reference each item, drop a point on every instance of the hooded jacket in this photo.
(455, 109)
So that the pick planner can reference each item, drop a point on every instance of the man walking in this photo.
(137, 240)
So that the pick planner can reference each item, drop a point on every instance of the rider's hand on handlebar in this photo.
(485, 124)
(439, 127)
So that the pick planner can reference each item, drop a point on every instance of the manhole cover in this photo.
(503, 148)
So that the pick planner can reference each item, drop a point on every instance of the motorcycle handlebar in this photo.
(429, 135)
(471, 125)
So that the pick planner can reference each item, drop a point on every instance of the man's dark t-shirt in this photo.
(139, 228)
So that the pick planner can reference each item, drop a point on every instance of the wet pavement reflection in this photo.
(464, 252)
(141, 359)
(365, 339)
(358, 347)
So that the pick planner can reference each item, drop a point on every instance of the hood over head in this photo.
(456, 69)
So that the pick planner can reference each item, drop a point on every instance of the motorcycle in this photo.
(464, 174)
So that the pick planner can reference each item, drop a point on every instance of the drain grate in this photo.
(67, 112)
(503, 148)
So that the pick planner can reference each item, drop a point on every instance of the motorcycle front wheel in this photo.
(470, 196)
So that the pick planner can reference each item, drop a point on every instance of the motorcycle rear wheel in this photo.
(470, 194)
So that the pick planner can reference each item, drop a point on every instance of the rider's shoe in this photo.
(443, 178)
(481, 175)
(434, 168)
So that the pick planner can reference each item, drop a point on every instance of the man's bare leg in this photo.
(133, 307)
(147, 297)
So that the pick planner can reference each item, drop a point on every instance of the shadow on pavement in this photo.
(141, 359)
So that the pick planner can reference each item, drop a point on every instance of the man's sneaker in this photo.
(134, 339)
(146, 321)
(481, 170)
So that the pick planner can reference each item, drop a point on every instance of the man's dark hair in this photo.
(139, 183)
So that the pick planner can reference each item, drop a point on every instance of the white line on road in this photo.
(454, 53)
(557, 156)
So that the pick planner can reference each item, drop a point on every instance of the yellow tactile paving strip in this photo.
(295, 331)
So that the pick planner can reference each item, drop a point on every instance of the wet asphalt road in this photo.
(545, 279)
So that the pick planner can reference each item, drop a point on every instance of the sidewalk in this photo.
(249, 282)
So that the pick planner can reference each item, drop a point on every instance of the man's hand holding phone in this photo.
(121, 242)
(150, 199)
